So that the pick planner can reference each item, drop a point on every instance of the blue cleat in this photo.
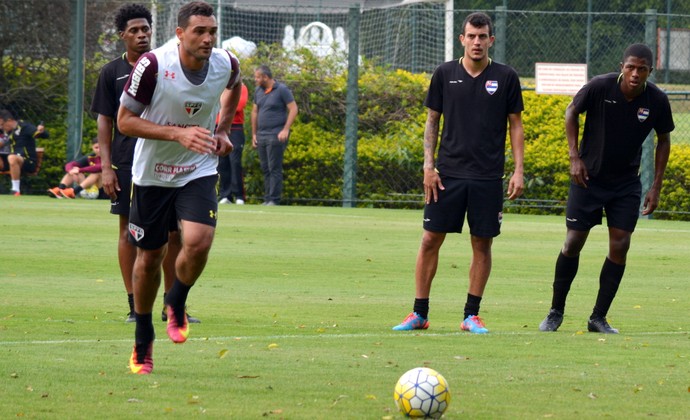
(474, 324)
(412, 322)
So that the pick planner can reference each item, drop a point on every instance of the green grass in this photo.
(297, 304)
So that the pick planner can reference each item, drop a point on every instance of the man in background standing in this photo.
(230, 167)
(478, 99)
(273, 113)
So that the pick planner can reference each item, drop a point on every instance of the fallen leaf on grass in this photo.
(273, 346)
(222, 353)
(247, 376)
(592, 395)
(370, 397)
(337, 400)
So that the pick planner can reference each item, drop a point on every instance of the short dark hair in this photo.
(195, 8)
(478, 19)
(129, 12)
(6, 115)
(264, 69)
(640, 51)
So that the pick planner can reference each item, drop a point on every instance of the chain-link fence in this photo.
(414, 36)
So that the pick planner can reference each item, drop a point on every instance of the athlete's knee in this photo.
(574, 242)
(432, 241)
(619, 244)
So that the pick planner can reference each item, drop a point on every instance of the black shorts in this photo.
(155, 209)
(621, 201)
(121, 204)
(481, 200)
(28, 167)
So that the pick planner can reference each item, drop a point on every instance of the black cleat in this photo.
(601, 326)
(190, 319)
(130, 317)
(552, 321)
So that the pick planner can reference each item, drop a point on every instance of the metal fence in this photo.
(414, 36)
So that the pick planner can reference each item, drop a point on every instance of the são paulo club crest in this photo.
(491, 86)
(642, 114)
(192, 108)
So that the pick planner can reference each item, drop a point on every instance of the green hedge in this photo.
(390, 153)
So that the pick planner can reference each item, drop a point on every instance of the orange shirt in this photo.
(239, 113)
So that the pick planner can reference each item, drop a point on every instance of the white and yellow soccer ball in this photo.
(422, 392)
(90, 193)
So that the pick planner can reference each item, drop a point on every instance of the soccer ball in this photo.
(422, 392)
(90, 193)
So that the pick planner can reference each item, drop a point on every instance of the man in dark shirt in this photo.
(21, 138)
(622, 109)
(478, 98)
(273, 113)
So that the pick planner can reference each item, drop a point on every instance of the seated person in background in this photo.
(4, 146)
(81, 174)
(21, 157)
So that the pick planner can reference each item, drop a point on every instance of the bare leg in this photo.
(146, 278)
(427, 262)
(480, 267)
(126, 254)
(619, 244)
(193, 256)
(174, 247)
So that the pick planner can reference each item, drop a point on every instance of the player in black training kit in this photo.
(622, 109)
(478, 99)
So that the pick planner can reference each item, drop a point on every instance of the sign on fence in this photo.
(559, 78)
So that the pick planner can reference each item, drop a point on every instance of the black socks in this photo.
(472, 305)
(176, 298)
(609, 280)
(566, 269)
(421, 307)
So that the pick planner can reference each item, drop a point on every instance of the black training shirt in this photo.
(106, 101)
(475, 118)
(615, 129)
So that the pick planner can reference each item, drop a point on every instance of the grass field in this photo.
(297, 305)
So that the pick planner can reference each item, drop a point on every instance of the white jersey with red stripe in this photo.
(175, 101)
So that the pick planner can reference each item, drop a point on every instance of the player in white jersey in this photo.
(170, 103)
